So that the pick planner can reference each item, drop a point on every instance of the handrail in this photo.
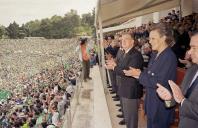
(74, 102)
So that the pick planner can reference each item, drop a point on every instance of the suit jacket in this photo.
(160, 70)
(118, 59)
(130, 87)
(189, 109)
(119, 55)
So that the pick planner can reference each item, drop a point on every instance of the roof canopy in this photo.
(117, 11)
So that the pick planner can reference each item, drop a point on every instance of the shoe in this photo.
(119, 105)
(116, 99)
(109, 87)
(120, 110)
(122, 122)
(89, 78)
(115, 96)
(120, 116)
(112, 92)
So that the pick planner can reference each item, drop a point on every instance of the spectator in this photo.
(85, 59)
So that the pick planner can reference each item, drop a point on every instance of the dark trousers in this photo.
(130, 108)
(121, 106)
(163, 121)
(157, 124)
(113, 80)
(118, 84)
(86, 69)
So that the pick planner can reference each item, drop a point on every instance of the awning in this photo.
(129, 24)
(118, 11)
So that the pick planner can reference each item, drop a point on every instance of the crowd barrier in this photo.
(73, 104)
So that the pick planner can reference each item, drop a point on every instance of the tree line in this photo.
(56, 27)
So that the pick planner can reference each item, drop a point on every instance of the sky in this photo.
(23, 11)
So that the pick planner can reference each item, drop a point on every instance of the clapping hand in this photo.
(177, 93)
(163, 92)
(110, 64)
(133, 72)
(166, 95)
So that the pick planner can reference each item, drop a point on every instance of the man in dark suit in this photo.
(187, 96)
(161, 68)
(130, 90)
(118, 60)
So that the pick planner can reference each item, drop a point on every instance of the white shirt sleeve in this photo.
(182, 101)
(55, 118)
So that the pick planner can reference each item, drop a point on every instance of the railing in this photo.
(73, 104)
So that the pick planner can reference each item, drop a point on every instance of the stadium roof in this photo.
(118, 11)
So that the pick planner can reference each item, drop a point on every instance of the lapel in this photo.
(154, 62)
(126, 56)
(191, 88)
(189, 78)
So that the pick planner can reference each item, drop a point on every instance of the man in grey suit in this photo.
(187, 96)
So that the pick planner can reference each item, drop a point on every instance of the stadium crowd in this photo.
(39, 100)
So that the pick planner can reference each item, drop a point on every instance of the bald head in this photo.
(127, 36)
(127, 41)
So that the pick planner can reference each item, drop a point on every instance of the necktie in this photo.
(193, 85)
(124, 55)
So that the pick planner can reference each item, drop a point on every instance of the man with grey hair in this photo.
(130, 90)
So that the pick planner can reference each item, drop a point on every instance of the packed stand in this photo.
(39, 100)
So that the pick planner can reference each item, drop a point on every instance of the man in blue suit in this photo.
(161, 68)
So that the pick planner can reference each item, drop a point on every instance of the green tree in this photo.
(87, 19)
(33, 27)
(55, 27)
(56, 19)
(71, 21)
(2, 31)
(13, 30)
(44, 30)
(23, 31)
(56, 30)
(87, 22)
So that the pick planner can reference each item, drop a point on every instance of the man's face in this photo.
(155, 40)
(109, 40)
(181, 30)
(127, 42)
(194, 49)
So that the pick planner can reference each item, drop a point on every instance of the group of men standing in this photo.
(129, 79)
(158, 81)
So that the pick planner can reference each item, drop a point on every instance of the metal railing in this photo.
(73, 104)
